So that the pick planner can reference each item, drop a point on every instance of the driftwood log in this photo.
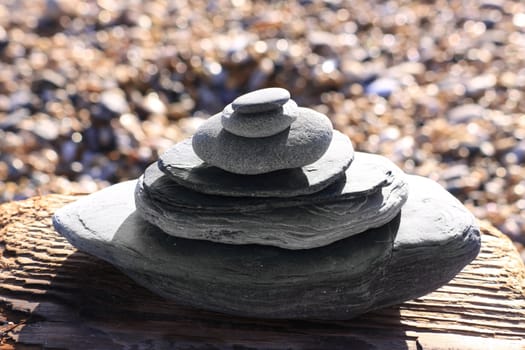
(55, 297)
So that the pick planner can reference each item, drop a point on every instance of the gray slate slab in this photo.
(186, 168)
(303, 143)
(432, 239)
(261, 100)
(310, 223)
(367, 175)
(261, 124)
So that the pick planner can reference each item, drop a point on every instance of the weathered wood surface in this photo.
(54, 297)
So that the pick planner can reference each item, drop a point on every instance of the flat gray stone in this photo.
(423, 248)
(368, 174)
(262, 124)
(182, 164)
(261, 100)
(311, 223)
(303, 143)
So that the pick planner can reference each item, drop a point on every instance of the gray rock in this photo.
(182, 164)
(432, 239)
(262, 124)
(303, 143)
(292, 223)
(261, 100)
(367, 175)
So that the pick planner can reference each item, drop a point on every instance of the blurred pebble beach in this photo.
(91, 92)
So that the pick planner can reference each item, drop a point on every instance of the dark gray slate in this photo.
(262, 124)
(432, 239)
(303, 143)
(187, 169)
(367, 175)
(261, 100)
(312, 222)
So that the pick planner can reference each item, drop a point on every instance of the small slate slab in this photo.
(185, 167)
(310, 223)
(262, 124)
(367, 175)
(303, 143)
(261, 100)
(432, 239)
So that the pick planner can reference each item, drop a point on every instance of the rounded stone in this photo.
(292, 223)
(261, 100)
(432, 239)
(306, 140)
(182, 164)
(261, 124)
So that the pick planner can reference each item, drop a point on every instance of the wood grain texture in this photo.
(54, 297)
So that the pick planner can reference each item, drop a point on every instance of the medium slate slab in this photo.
(310, 223)
(182, 164)
(303, 143)
(367, 175)
(301, 227)
(432, 239)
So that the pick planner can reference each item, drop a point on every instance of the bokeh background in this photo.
(91, 92)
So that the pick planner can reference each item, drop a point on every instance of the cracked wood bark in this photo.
(54, 297)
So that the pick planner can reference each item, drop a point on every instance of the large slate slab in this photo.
(182, 164)
(293, 223)
(432, 239)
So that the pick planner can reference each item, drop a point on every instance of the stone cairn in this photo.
(268, 212)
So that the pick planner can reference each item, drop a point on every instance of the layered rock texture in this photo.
(268, 212)
(367, 195)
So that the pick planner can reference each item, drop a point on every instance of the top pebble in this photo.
(262, 100)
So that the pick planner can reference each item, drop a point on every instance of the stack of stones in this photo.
(261, 132)
(268, 212)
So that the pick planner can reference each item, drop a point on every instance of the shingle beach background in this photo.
(91, 92)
